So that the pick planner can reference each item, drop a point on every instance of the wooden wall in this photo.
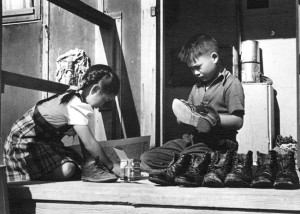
(130, 73)
(21, 53)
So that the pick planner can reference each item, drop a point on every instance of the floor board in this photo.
(144, 195)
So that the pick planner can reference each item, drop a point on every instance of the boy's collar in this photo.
(222, 75)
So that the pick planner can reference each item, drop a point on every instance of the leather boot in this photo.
(241, 173)
(176, 167)
(267, 170)
(220, 166)
(193, 177)
(287, 177)
(94, 171)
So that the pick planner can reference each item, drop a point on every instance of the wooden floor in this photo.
(145, 197)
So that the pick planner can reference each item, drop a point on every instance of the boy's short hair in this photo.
(198, 45)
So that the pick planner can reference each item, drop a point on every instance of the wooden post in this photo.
(148, 70)
(4, 206)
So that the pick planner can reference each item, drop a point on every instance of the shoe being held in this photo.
(177, 166)
(203, 117)
(94, 171)
(193, 177)
(241, 173)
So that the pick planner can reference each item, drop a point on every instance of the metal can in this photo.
(250, 72)
(136, 170)
(250, 51)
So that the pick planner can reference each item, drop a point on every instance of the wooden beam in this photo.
(86, 12)
(19, 80)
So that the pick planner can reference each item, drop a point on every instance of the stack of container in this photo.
(250, 59)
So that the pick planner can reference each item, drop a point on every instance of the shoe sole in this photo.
(160, 182)
(212, 182)
(183, 182)
(186, 115)
(281, 185)
(236, 183)
(262, 185)
(111, 180)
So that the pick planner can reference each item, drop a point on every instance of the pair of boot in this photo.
(196, 171)
(219, 169)
(210, 170)
(276, 170)
(186, 170)
(273, 170)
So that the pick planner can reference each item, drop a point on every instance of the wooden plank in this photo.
(298, 79)
(19, 80)
(40, 207)
(149, 87)
(4, 206)
(145, 193)
(86, 12)
(45, 49)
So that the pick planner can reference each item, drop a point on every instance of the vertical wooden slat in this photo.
(297, 6)
(148, 71)
(45, 49)
(1, 88)
(4, 205)
(161, 77)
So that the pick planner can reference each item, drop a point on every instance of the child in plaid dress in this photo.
(33, 149)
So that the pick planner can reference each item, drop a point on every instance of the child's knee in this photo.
(68, 169)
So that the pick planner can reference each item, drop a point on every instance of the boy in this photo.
(219, 94)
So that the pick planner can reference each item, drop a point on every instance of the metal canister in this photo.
(136, 171)
(250, 51)
(250, 72)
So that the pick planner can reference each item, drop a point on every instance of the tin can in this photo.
(250, 72)
(136, 171)
(250, 51)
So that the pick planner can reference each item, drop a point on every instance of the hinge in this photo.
(154, 11)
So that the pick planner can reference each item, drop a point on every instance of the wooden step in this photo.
(145, 197)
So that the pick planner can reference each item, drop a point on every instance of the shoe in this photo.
(203, 117)
(220, 166)
(178, 166)
(267, 170)
(287, 177)
(94, 171)
(193, 177)
(241, 173)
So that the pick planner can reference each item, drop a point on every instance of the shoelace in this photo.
(101, 166)
(264, 168)
(198, 109)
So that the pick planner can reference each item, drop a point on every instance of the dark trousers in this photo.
(160, 157)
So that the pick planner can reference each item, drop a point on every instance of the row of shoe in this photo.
(230, 169)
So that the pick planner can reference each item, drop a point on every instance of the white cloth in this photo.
(74, 113)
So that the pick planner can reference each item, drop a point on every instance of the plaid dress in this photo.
(34, 148)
